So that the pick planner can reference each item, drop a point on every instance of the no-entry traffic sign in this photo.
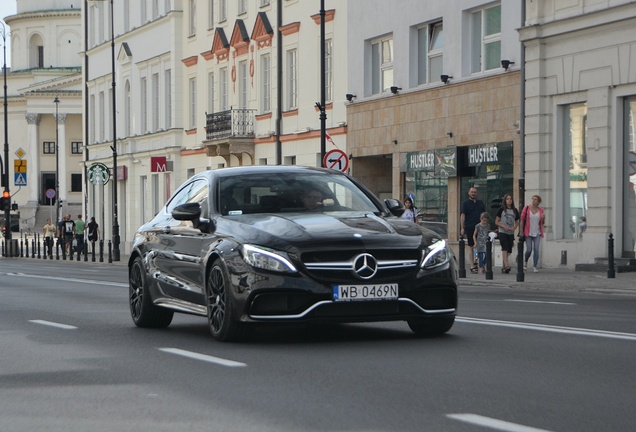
(336, 159)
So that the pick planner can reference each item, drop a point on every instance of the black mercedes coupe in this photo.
(276, 244)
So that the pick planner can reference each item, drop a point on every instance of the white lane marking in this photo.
(540, 301)
(550, 328)
(494, 423)
(203, 357)
(54, 324)
(85, 281)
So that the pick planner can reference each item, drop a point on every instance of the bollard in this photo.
(101, 251)
(462, 257)
(26, 247)
(3, 242)
(57, 249)
(21, 247)
(85, 250)
(93, 258)
(520, 275)
(611, 272)
(110, 252)
(489, 274)
(38, 242)
(33, 248)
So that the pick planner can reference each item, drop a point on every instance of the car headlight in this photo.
(435, 255)
(267, 259)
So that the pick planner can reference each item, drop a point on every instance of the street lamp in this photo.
(5, 173)
(116, 240)
(56, 101)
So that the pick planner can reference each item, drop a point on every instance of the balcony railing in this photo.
(231, 123)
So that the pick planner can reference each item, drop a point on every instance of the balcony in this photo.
(230, 134)
(238, 123)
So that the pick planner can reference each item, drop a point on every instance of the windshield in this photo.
(291, 192)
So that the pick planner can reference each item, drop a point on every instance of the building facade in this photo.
(204, 84)
(435, 106)
(45, 138)
(580, 135)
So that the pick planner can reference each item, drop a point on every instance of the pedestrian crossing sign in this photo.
(20, 179)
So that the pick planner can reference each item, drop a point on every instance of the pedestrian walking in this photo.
(410, 212)
(532, 221)
(48, 232)
(480, 239)
(80, 226)
(93, 230)
(507, 221)
(69, 233)
(470, 216)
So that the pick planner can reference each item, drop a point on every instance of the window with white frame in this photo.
(381, 64)
(143, 92)
(264, 3)
(126, 18)
(102, 117)
(223, 90)
(144, 16)
(486, 39)
(210, 14)
(76, 147)
(155, 102)
(435, 51)
(243, 84)
(92, 117)
(210, 92)
(292, 79)
(168, 92)
(328, 70)
(110, 111)
(266, 83)
(48, 147)
(192, 86)
(242, 6)
(574, 167)
(155, 9)
(222, 10)
(128, 106)
(192, 18)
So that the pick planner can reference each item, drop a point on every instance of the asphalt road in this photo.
(516, 360)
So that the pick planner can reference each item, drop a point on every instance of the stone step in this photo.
(599, 268)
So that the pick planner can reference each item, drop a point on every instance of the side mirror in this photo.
(192, 212)
(395, 206)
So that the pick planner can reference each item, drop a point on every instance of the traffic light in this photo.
(5, 203)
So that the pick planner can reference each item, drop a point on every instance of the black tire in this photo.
(222, 320)
(433, 326)
(142, 311)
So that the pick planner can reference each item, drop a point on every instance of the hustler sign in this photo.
(490, 154)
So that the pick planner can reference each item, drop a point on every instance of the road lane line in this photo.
(54, 324)
(541, 301)
(203, 357)
(85, 281)
(550, 328)
(492, 423)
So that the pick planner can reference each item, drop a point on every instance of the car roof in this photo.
(261, 169)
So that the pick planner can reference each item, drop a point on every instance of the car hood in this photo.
(325, 230)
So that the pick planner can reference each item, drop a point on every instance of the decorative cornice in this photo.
(262, 32)
(190, 61)
(329, 15)
(207, 55)
(240, 40)
(220, 45)
(288, 29)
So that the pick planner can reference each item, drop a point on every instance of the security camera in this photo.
(350, 97)
(395, 89)
(445, 78)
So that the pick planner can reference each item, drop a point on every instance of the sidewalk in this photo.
(562, 279)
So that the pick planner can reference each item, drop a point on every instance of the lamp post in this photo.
(5, 173)
(56, 101)
(323, 113)
(116, 239)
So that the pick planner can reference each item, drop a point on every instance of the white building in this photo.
(46, 63)
(580, 125)
(197, 88)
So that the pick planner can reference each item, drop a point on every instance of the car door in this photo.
(181, 263)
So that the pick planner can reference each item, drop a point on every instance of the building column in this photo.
(61, 136)
(34, 179)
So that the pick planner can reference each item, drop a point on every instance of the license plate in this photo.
(365, 292)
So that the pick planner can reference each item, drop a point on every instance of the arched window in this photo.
(36, 52)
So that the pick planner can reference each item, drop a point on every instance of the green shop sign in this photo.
(443, 162)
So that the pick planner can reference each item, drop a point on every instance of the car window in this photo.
(194, 191)
(285, 192)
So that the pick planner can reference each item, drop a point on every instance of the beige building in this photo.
(45, 65)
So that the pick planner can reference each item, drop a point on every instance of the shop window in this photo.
(629, 177)
(574, 184)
